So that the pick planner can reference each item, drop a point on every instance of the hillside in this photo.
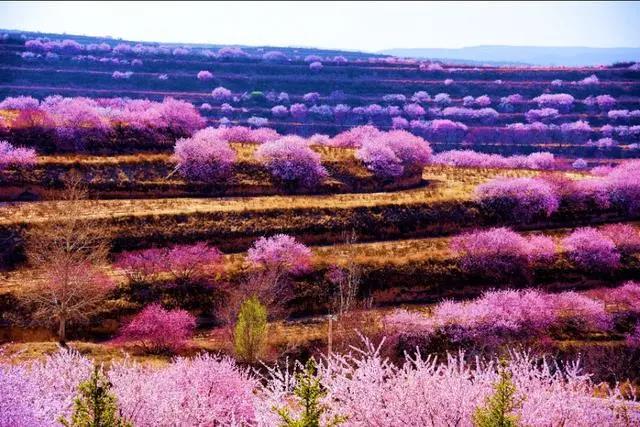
(201, 221)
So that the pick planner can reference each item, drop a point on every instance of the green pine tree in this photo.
(309, 391)
(95, 405)
(251, 330)
(499, 407)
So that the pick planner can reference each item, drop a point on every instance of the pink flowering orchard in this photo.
(307, 216)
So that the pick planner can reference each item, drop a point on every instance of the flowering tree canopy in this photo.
(291, 160)
(501, 252)
(390, 154)
(592, 250)
(15, 156)
(280, 252)
(204, 156)
(158, 329)
(518, 198)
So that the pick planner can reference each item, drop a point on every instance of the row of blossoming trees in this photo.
(84, 124)
(207, 156)
(398, 110)
(54, 49)
(501, 253)
(103, 123)
(73, 47)
(275, 263)
(421, 103)
(508, 316)
(526, 199)
(354, 389)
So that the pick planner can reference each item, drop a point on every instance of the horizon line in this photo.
(376, 51)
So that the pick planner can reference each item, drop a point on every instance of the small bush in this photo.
(250, 330)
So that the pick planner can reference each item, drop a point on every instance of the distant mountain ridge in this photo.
(534, 55)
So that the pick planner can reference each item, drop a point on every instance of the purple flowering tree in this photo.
(204, 157)
(591, 250)
(158, 330)
(291, 160)
(520, 199)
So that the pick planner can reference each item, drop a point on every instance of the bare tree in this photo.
(270, 288)
(349, 313)
(67, 252)
(346, 281)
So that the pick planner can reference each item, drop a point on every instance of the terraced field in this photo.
(385, 215)
(212, 235)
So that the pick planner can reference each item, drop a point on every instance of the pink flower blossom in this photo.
(519, 198)
(280, 252)
(157, 329)
(291, 160)
(591, 250)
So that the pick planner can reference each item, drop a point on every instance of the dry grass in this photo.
(245, 153)
(100, 352)
(447, 184)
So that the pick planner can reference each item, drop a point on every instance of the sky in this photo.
(367, 26)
